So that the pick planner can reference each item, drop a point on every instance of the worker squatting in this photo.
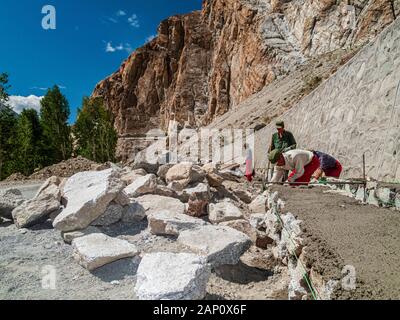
(294, 165)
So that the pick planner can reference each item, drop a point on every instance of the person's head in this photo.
(280, 126)
(276, 157)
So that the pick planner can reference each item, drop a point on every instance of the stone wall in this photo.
(352, 113)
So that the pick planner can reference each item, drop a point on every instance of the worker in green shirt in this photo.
(282, 140)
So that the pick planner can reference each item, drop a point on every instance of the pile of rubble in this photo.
(68, 168)
(207, 211)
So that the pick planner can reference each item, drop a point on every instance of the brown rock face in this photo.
(204, 63)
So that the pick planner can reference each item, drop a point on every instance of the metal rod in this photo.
(319, 184)
(365, 180)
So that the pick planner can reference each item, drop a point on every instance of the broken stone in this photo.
(259, 204)
(214, 180)
(199, 198)
(131, 176)
(37, 210)
(291, 234)
(141, 186)
(221, 245)
(256, 220)
(224, 211)
(185, 173)
(372, 200)
(163, 170)
(112, 215)
(133, 213)
(169, 223)
(172, 276)
(154, 203)
(9, 200)
(96, 250)
(243, 226)
(263, 240)
(87, 195)
(297, 286)
(68, 237)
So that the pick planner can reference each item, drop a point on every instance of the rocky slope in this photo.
(204, 63)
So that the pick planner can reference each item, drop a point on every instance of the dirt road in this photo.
(341, 231)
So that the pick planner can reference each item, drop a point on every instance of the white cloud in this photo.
(121, 13)
(121, 47)
(19, 103)
(112, 20)
(134, 21)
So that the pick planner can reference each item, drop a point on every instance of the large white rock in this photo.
(291, 234)
(141, 186)
(97, 249)
(70, 236)
(9, 200)
(154, 203)
(224, 211)
(88, 195)
(221, 245)
(259, 204)
(171, 276)
(169, 223)
(34, 211)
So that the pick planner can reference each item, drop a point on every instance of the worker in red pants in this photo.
(301, 163)
(328, 166)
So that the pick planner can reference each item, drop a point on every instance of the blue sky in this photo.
(91, 39)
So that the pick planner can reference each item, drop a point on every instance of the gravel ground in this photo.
(24, 258)
(340, 231)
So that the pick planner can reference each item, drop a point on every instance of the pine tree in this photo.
(29, 151)
(54, 115)
(94, 132)
(8, 122)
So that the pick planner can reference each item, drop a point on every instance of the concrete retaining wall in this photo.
(353, 113)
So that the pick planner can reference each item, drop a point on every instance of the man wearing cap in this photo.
(282, 140)
(301, 163)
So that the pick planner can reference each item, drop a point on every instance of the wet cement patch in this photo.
(340, 231)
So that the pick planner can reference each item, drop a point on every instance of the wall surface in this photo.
(352, 113)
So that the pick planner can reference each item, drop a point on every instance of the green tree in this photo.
(54, 115)
(8, 121)
(3, 88)
(29, 151)
(94, 132)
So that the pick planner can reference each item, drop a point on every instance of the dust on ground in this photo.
(341, 231)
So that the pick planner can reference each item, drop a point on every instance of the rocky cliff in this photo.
(204, 63)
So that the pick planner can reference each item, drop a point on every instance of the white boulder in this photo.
(259, 204)
(171, 276)
(224, 211)
(169, 223)
(34, 211)
(221, 245)
(70, 236)
(87, 195)
(141, 186)
(96, 250)
(154, 203)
